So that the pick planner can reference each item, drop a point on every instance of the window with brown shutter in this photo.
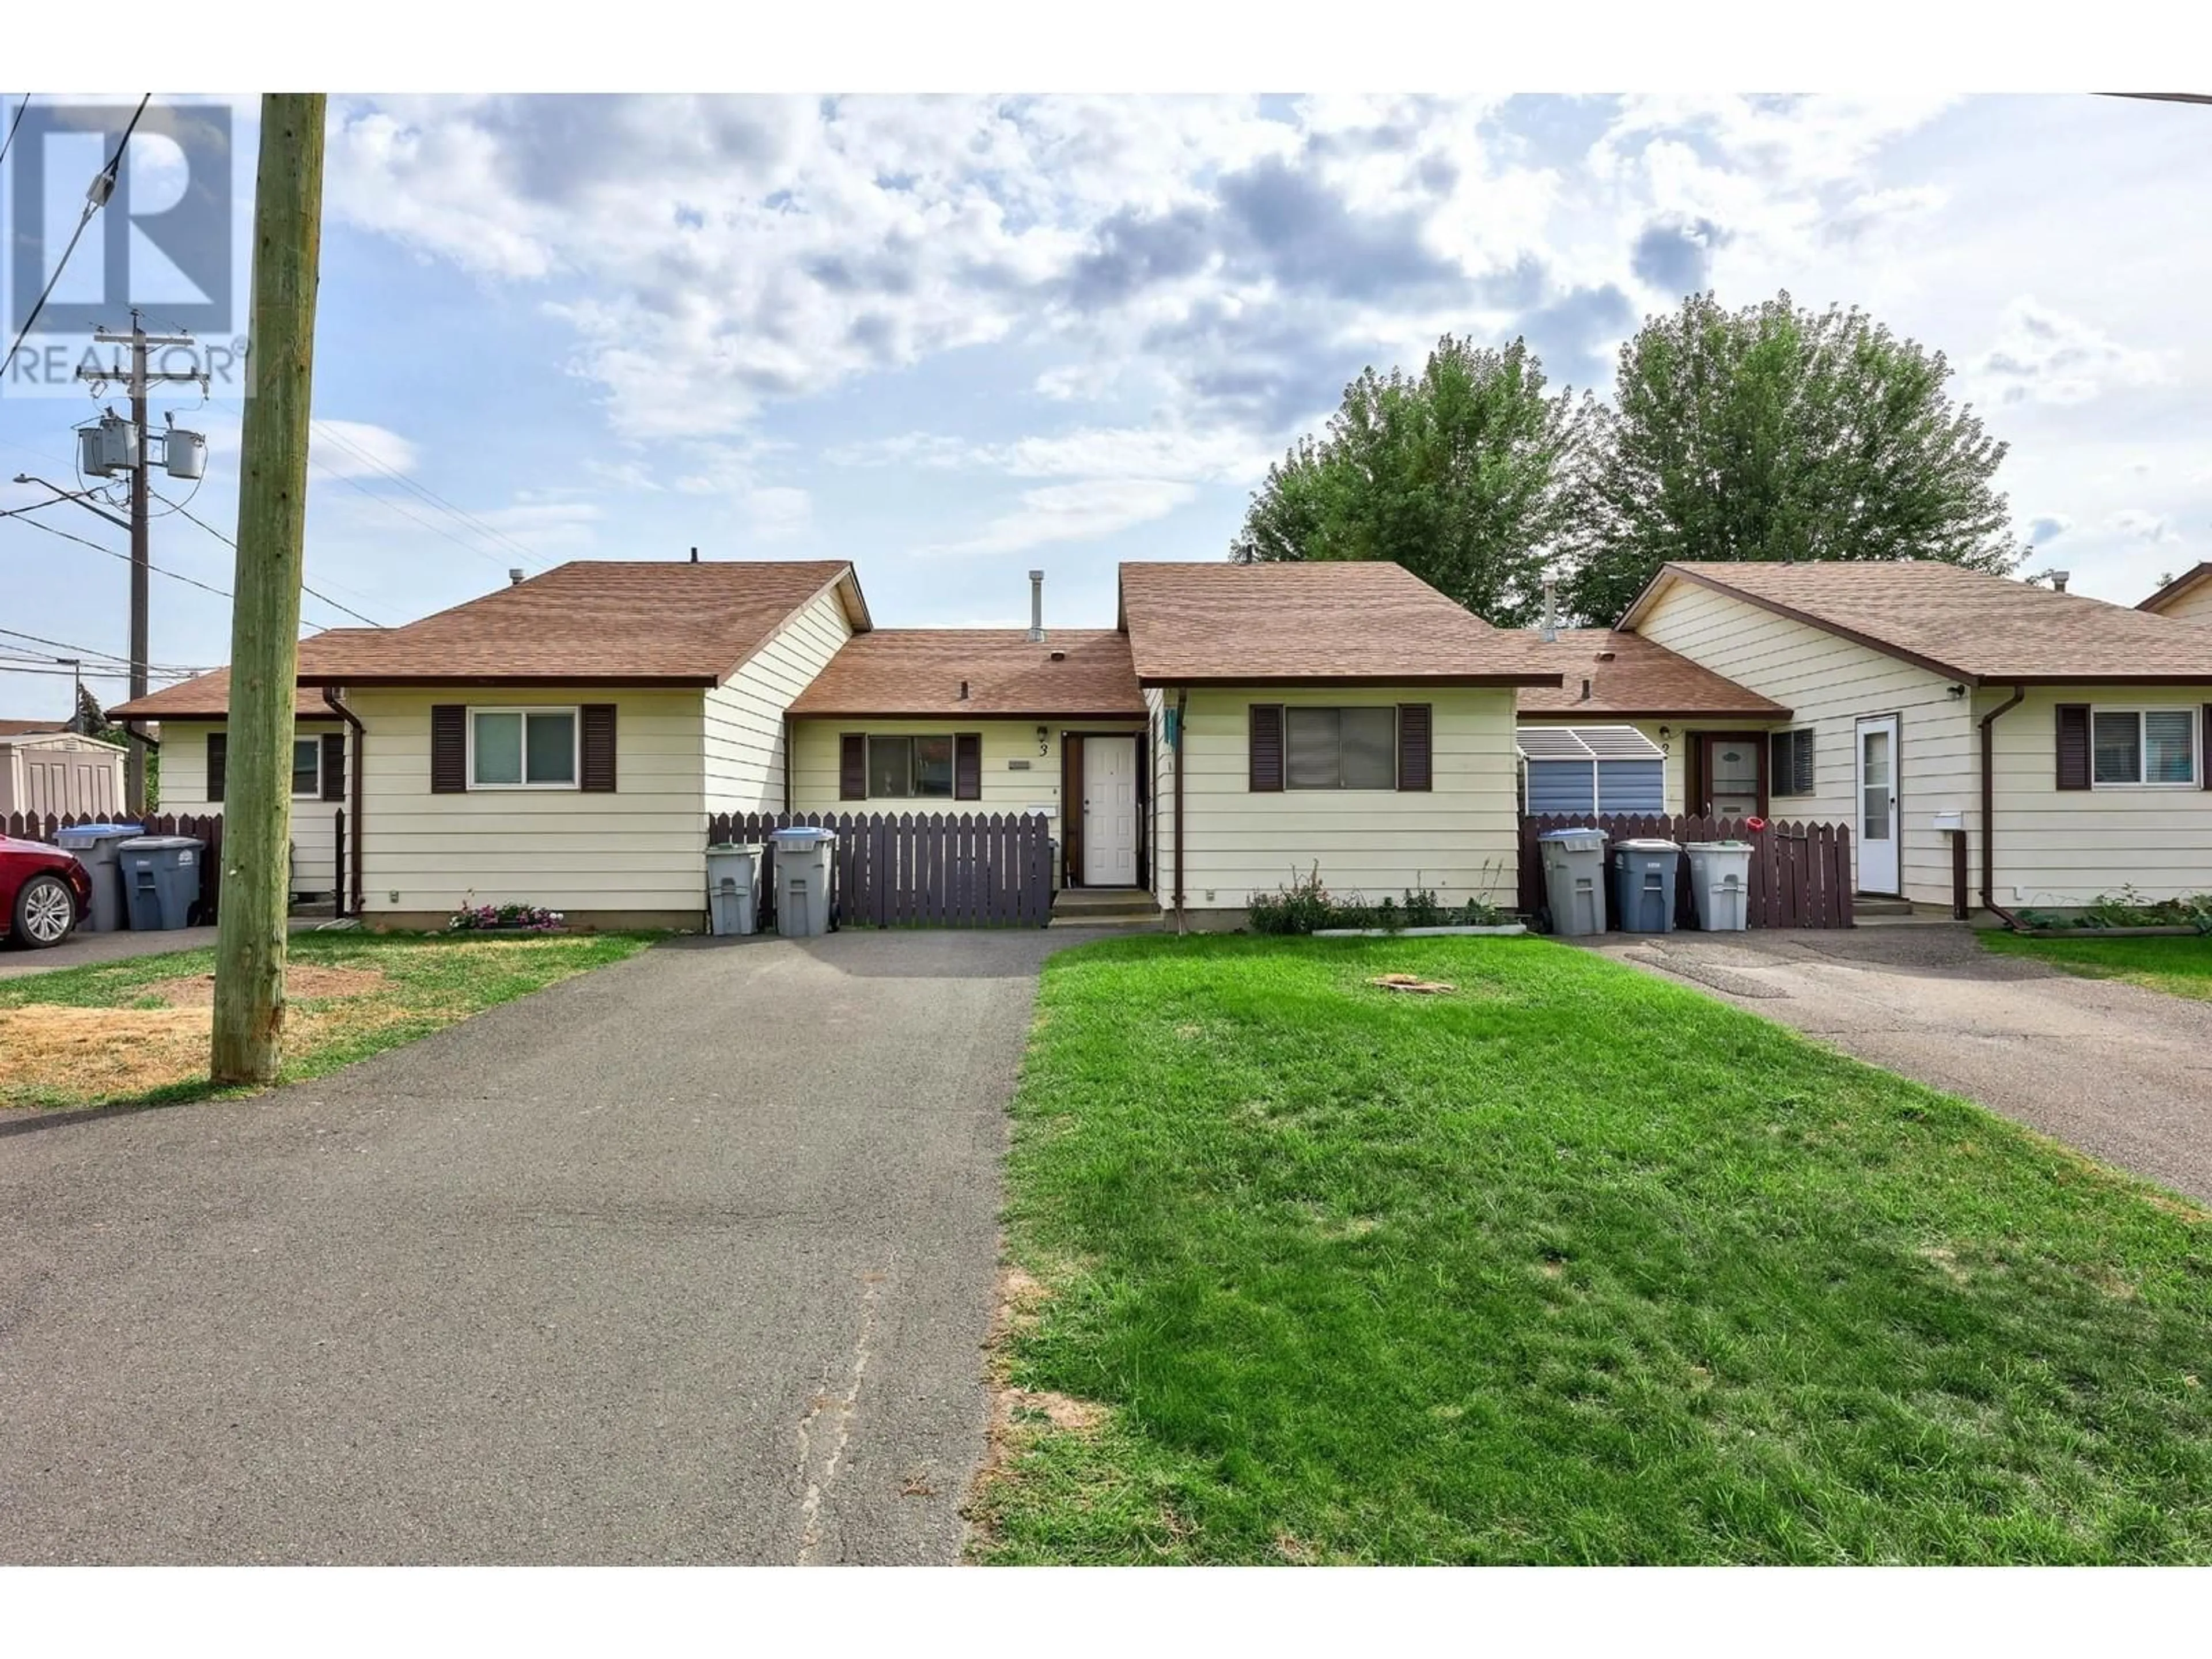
(449, 749)
(852, 766)
(968, 766)
(218, 761)
(1264, 768)
(598, 741)
(334, 773)
(1415, 765)
(2073, 720)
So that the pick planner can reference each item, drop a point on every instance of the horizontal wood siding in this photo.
(2061, 847)
(1828, 683)
(637, 849)
(2194, 606)
(743, 732)
(1459, 838)
(815, 744)
(314, 835)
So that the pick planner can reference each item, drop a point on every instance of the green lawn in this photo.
(136, 1031)
(2181, 967)
(1574, 1265)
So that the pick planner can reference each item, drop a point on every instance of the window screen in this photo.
(1790, 768)
(1341, 748)
(307, 766)
(910, 767)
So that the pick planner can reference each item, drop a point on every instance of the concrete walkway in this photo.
(2123, 1074)
(84, 947)
(688, 1260)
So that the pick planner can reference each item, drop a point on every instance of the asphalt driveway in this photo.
(689, 1259)
(2121, 1072)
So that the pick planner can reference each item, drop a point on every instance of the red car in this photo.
(44, 892)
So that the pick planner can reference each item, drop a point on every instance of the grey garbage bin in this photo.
(1574, 879)
(1643, 884)
(802, 880)
(733, 870)
(96, 846)
(161, 880)
(1720, 883)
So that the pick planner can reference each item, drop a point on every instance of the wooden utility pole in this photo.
(141, 380)
(264, 625)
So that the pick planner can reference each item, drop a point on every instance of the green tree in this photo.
(1461, 473)
(1776, 433)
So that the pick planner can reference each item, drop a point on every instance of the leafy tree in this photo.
(1776, 433)
(1461, 473)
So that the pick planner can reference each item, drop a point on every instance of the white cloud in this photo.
(1074, 512)
(2042, 355)
(2142, 526)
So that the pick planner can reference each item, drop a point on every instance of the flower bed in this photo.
(1307, 907)
(2125, 912)
(505, 919)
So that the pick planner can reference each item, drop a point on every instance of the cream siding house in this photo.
(189, 785)
(561, 742)
(2059, 742)
(2187, 597)
(1339, 719)
(1829, 683)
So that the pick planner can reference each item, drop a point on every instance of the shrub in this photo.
(2129, 908)
(1306, 906)
(475, 918)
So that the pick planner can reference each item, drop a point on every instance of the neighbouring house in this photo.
(1341, 715)
(932, 720)
(2187, 597)
(48, 769)
(1712, 734)
(561, 741)
(2040, 748)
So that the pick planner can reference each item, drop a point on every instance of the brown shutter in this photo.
(2073, 746)
(218, 761)
(1414, 765)
(449, 749)
(334, 779)
(1264, 767)
(852, 766)
(2204, 752)
(968, 766)
(598, 748)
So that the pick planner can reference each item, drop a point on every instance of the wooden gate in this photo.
(1801, 873)
(32, 826)
(969, 870)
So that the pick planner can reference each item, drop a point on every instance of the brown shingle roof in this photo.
(1281, 623)
(2188, 581)
(592, 622)
(1631, 677)
(31, 728)
(901, 671)
(1960, 622)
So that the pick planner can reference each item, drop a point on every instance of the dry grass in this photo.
(303, 982)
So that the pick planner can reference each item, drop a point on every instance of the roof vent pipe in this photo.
(694, 556)
(1551, 612)
(963, 691)
(1586, 688)
(1036, 605)
(2059, 581)
(514, 575)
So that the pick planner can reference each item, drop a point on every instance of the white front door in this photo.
(1877, 809)
(1109, 812)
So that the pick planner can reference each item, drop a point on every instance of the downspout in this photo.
(1182, 742)
(786, 766)
(1989, 808)
(336, 706)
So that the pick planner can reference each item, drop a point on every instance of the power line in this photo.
(180, 508)
(95, 198)
(9, 143)
(92, 652)
(428, 494)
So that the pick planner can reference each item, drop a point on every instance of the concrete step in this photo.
(1864, 907)
(1103, 919)
(1104, 907)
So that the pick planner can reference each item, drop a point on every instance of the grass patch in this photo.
(136, 1032)
(2181, 967)
(1572, 1264)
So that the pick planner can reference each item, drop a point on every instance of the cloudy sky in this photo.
(954, 338)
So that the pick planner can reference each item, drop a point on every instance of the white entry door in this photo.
(1109, 812)
(1877, 813)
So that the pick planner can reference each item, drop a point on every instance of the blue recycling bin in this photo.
(97, 848)
(161, 880)
(1643, 884)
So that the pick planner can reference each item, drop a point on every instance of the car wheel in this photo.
(45, 912)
